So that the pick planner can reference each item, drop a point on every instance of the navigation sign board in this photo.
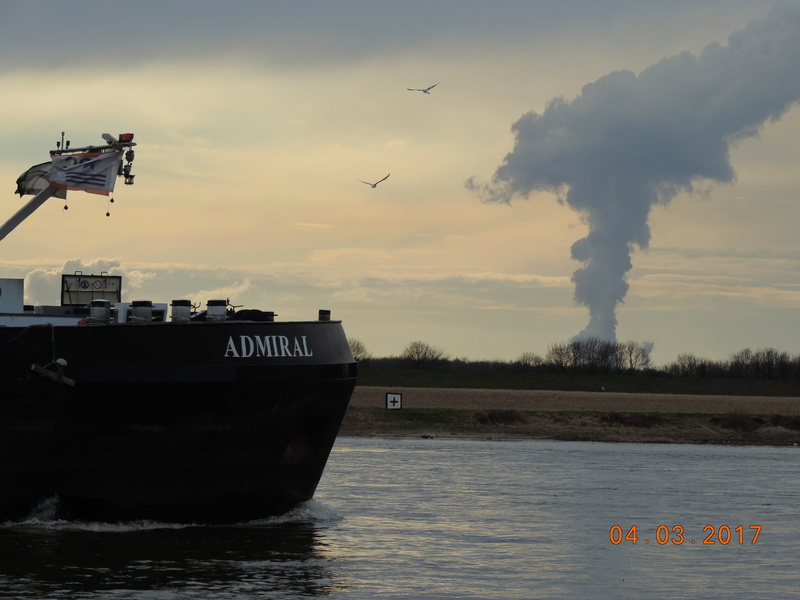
(394, 401)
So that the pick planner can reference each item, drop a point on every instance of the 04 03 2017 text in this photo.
(676, 535)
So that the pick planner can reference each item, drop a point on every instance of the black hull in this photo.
(192, 423)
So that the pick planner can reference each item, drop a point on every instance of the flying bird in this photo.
(372, 185)
(427, 90)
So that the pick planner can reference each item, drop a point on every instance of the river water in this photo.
(439, 518)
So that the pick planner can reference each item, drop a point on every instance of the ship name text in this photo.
(267, 346)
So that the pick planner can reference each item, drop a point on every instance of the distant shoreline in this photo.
(568, 415)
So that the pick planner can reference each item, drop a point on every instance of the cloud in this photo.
(628, 143)
(230, 292)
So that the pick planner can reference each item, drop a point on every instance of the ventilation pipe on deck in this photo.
(216, 310)
(181, 311)
(141, 311)
(100, 311)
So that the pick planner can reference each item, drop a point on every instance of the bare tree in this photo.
(529, 360)
(421, 355)
(595, 355)
(742, 364)
(592, 355)
(558, 356)
(634, 356)
(689, 365)
(359, 349)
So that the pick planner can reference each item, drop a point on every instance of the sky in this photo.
(618, 169)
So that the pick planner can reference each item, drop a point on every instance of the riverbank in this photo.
(566, 415)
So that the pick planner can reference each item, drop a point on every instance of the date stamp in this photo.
(662, 535)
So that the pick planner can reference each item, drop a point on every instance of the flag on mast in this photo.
(36, 179)
(93, 172)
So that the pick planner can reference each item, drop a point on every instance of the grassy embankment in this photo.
(630, 408)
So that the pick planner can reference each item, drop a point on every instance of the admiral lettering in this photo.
(267, 346)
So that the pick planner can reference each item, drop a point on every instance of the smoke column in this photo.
(628, 142)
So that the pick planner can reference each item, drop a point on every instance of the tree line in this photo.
(763, 363)
(596, 356)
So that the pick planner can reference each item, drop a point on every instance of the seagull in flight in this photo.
(372, 185)
(427, 90)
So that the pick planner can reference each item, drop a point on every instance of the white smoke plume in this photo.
(629, 142)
